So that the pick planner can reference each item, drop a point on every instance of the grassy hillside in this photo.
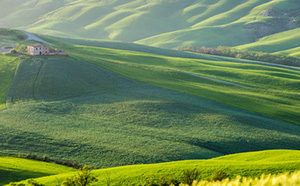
(8, 36)
(67, 108)
(167, 23)
(8, 67)
(251, 164)
(285, 43)
(15, 169)
(265, 83)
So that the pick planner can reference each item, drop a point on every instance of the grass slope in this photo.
(285, 43)
(67, 108)
(265, 82)
(16, 169)
(251, 164)
(159, 23)
(8, 67)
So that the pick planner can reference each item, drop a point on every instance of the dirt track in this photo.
(33, 37)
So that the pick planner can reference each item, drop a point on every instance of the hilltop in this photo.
(254, 24)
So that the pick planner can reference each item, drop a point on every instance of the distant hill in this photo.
(163, 23)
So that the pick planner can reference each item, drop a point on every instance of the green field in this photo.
(15, 169)
(251, 164)
(266, 84)
(286, 43)
(155, 112)
(8, 67)
(69, 109)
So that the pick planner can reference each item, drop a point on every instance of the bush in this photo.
(219, 175)
(34, 183)
(84, 178)
(13, 51)
(188, 176)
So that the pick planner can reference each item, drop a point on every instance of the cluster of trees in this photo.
(244, 54)
(20, 48)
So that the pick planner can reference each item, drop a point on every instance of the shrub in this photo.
(188, 176)
(219, 175)
(45, 158)
(32, 182)
(84, 178)
(13, 51)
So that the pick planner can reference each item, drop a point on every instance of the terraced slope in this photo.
(251, 164)
(163, 23)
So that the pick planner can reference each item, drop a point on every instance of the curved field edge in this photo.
(274, 87)
(17, 169)
(249, 164)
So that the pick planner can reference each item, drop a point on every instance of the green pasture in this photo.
(275, 88)
(16, 169)
(8, 66)
(69, 109)
(286, 43)
(251, 164)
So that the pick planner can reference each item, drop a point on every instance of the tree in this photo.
(21, 48)
(84, 178)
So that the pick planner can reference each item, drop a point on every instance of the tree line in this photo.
(244, 54)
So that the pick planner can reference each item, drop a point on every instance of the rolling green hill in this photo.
(286, 43)
(15, 169)
(251, 164)
(70, 108)
(162, 23)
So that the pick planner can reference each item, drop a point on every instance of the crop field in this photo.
(248, 165)
(69, 109)
(142, 115)
(8, 67)
(263, 85)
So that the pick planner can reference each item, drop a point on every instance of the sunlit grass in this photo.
(265, 179)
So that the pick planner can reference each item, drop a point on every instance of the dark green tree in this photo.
(84, 178)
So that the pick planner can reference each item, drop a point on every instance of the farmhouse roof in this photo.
(37, 45)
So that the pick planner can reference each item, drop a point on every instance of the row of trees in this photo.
(244, 54)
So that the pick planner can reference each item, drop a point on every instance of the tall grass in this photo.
(285, 179)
